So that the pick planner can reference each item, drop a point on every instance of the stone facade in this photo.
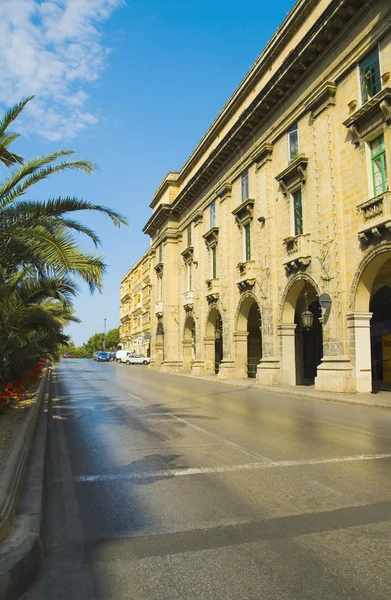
(272, 245)
(135, 310)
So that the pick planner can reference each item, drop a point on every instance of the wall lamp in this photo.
(262, 220)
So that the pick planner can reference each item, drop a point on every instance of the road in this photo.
(161, 487)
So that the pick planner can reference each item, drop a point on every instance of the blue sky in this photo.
(132, 86)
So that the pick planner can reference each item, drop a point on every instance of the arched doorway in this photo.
(214, 341)
(159, 346)
(369, 326)
(248, 337)
(189, 343)
(301, 333)
(380, 307)
(309, 342)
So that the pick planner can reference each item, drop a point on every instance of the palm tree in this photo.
(39, 255)
(39, 233)
(6, 138)
(33, 312)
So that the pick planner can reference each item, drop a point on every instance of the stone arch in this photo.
(301, 349)
(248, 336)
(291, 294)
(214, 344)
(367, 271)
(369, 332)
(159, 343)
(189, 342)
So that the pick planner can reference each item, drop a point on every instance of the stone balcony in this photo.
(188, 301)
(375, 217)
(246, 275)
(125, 317)
(159, 308)
(298, 252)
(125, 295)
(213, 288)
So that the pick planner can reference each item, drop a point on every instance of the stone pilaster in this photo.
(359, 341)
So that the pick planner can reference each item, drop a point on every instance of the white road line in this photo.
(101, 478)
(224, 441)
(135, 397)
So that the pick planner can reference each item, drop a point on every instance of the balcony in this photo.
(375, 217)
(299, 252)
(125, 317)
(124, 295)
(137, 310)
(246, 275)
(188, 301)
(159, 309)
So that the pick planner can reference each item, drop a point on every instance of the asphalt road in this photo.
(162, 487)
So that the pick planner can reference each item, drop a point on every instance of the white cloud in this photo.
(54, 49)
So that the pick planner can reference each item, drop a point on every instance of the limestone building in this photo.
(271, 247)
(135, 310)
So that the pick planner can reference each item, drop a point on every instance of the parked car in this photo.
(120, 355)
(66, 355)
(111, 355)
(134, 359)
(101, 356)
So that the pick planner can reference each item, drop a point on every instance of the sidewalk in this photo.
(379, 400)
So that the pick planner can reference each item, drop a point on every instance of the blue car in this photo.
(101, 356)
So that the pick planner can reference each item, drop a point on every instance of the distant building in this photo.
(135, 311)
(272, 246)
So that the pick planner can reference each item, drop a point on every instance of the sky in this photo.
(132, 85)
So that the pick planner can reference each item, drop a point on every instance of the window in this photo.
(160, 289)
(293, 141)
(244, 182)
(297, 212)
(189, 278)
(212, 215)
(370, 80)
(247, 241)
(379, 171)
(213, 262)
(189, 236)
(160, 252)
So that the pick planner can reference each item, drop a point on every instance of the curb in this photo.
(294, 393)
(21, 552)
(14, 468)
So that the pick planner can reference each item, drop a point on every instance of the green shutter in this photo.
(248, 241)
(214, 269)
(298, 212)
(379, 170)
(370, 75)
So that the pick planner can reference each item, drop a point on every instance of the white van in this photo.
(121, 355)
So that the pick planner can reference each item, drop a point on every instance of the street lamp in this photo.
(307, 317)
(217, 334)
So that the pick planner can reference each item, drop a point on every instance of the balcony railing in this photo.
(299, 252)
(246, 275)
(375, 217)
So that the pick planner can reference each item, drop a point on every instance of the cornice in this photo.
(324, 32)
(330, 24)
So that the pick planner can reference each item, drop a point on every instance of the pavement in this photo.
(165, 488)
(377, 399)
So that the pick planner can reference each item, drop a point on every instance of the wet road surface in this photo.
(162, 487)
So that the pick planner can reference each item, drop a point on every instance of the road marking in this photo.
(224, 441)
(135, 397)
(170, 473)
